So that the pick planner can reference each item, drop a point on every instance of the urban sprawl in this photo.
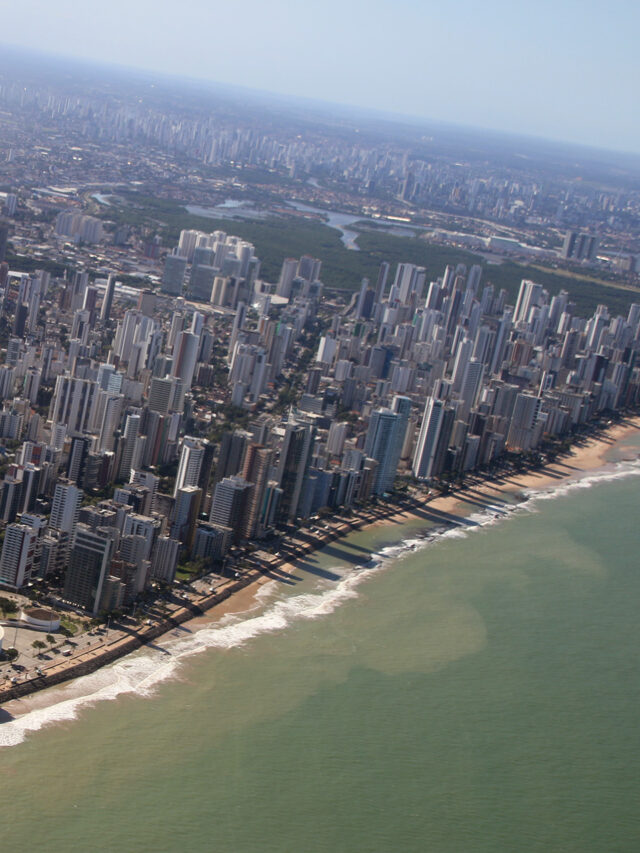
(172, 428)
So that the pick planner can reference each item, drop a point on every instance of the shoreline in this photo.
(238, 595)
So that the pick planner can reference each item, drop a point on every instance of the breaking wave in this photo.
(141, 672)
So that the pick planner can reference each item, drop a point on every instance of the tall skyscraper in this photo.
(185, 514)
(89, 565)
(287, 274)
(65, 506)
(80, 447)
(109, 412)
(72, 402)
(425, 452)
(232, 450)
(257, 467)
(175, 267)
(4, 236)
(10, 498)
(127, 446)
(164, 559)
(384, 441)
(381, 283)
(229, 505)
(185, 353)
(18, 555)
(295, 457)
(107, 302)
(191, 459)
(529, 295)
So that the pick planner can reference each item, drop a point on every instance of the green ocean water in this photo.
(479, 692)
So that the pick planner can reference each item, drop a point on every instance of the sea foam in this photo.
(141, 672)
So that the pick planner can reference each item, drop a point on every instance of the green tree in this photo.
(7, 606)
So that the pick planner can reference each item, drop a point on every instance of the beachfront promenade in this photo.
(122, 639)
(589, 453)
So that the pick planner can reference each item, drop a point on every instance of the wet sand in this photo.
(241, 596)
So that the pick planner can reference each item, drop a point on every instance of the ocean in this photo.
(414, 687)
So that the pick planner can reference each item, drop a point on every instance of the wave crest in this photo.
(141, 672)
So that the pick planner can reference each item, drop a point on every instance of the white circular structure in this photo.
(40, 618)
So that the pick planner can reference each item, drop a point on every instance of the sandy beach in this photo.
(582, 459)
(239, 595)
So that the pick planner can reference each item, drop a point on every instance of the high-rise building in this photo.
(400, 406)
(18, 555)
(425, 453)
(287, 274)
(166, 395)
(81, 445)
(143, 527)
(90, 558)
(127, 446)
(175, 267)
(232, 450)
(10, 498)
(525, 428)
(109, 413)
(4, 237)
(185, 514)
(32, 480)
(529, 295)
(185, 353)
(383, 443)
(164, 559)
(381, 283)
(257, 468)
(295, 457)
(191, 459)
(65, 506)
(580, 246)
(470, 387)
(72, 402)
(336, 438)
(229, 505)
(201, 282)
(107, 301)
(212, 542)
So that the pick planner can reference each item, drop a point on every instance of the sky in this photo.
(558, 69)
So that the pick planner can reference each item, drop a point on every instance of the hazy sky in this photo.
(566, 69)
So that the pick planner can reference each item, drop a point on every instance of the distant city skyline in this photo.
(563, 72)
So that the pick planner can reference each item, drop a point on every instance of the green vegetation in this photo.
(7, 606)
(343, 269)
(28, 263)
(413, 250)
(68, 627)
(587, 293)
(191, 569)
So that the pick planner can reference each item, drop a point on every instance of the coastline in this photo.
(239, 595)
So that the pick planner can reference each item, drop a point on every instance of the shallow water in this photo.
(469, 689)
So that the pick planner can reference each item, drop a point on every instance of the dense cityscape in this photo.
(174, 413)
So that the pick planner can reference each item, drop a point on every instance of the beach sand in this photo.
(581, 460)
(592, 454)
